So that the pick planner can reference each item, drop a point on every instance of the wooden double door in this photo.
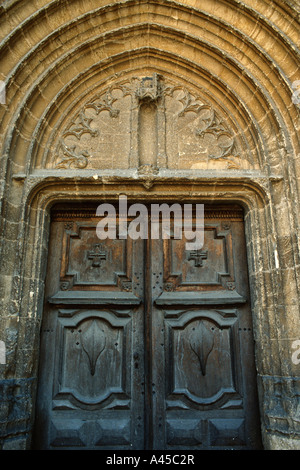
(145, 345)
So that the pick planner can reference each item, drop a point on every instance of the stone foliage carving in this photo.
(147, 123)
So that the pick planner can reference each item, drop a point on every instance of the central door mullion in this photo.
(155, 337)
(148, 347)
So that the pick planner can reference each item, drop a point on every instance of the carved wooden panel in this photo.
(82, 433)
(91, 360)
(225, 432)
(206, 275)
(187, 432)
(199, 344)
(88, 262)
(209, 268)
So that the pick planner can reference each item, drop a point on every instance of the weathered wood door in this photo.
(145, 345)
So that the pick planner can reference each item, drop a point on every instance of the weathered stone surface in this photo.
(174, 129)
(16, 412)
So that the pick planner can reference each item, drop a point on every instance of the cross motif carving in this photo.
(97, 255)
(198, 256)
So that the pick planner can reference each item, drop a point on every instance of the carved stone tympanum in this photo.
(148, 122)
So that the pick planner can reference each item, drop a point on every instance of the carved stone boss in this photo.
(148, 149)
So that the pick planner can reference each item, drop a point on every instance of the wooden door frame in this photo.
(252, 195)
